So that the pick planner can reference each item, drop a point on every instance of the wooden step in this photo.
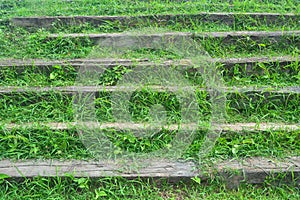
(247, 66)
(95, 89)
(223, 128)
(229, 19)
(251, 170)
(76, 62)
(139, 40)
(226, 62)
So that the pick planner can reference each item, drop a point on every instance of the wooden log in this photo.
(247, 65)
(106, 168)
(251, 61)
(223, 128)
(39, 62)
(95, 89)
(256, 170)
(229, 19)
(147, 40)
(252, 170)
(227, 62)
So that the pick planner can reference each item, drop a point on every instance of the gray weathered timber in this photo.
(252, 170)
(249, 65)
(251, 61)
(224, 128)
(39, 62)
(151, 168)
(256, 170)
(94, 89)
(229, 19)
(147, 40)
(228, 62)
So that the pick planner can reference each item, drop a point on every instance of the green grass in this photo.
(56, 75)
(183, 25)
(133, 7)
(19, 43)
(54, 106)
(43, 143)
(261, 74)
(36, 107)
(117, 188)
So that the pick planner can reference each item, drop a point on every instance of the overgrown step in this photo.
(282, 60)
(241, 106)
(231, 19)
(139, 40)
(252, 170)
(249, 64)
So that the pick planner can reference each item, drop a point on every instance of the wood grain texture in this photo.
(248, 65)
(235, 127)
(252, 170)
(40, 62)
(141, 38)
(138, 40)
(94, 89)
(163, 19)
(227, 62)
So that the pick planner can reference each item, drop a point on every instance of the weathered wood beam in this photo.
(234, 127)
(252, 170)
(162, 19)
(226, 62)
(147, 40)
(95, 89)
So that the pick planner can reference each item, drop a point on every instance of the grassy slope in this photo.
(44, 143)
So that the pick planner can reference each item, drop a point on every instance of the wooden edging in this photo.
(79, 62)
(147, 40)
(163, 19)
(252, 170)
(226, 62)
(248, 65)
(223, 128)
(95, 89)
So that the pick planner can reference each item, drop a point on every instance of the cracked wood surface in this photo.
(161, 19)
(252, 170)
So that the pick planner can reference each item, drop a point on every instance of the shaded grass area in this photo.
(118, 188)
